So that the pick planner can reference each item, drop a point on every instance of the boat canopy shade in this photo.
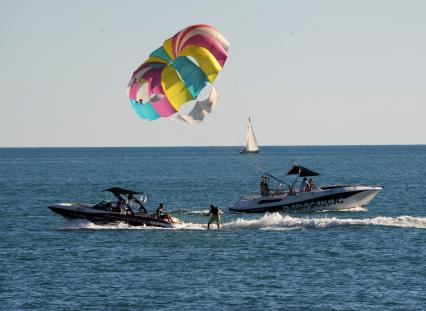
(301, 171)
(118, 191)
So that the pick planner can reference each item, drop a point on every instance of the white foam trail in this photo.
(350, 210)
(191, 226)
(273, 221)
(189, 212)
(277, 221)
(86, 224)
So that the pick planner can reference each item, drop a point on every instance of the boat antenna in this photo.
(281, 183)
(140, 203)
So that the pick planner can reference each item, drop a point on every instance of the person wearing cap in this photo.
(215, 216)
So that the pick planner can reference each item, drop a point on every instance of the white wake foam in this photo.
(277, 221)
(350, 210)
(189, 212)
(192, 226)
(77, 224)
(273, 221)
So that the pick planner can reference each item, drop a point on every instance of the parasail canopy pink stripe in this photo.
(210, 44)
(162, 106)
(133, 90)
(188, 30)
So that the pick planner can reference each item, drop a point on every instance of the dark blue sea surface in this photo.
(363, 259)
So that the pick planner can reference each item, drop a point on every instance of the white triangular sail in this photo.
(251, 139)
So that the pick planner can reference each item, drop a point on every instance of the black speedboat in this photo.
(123, 210)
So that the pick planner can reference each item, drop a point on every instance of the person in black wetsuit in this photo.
(215, 216)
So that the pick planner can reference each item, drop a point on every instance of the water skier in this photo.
(215, 216)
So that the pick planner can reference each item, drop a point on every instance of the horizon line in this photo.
(206, 146)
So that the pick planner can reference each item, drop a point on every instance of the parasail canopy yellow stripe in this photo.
(155, 59)
(207, 62)
(168, 47)
(174, 88)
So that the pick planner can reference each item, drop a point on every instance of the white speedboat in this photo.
(306, 198)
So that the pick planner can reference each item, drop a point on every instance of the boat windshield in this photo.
(103, 205)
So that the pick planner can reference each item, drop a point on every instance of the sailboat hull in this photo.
(248, 152)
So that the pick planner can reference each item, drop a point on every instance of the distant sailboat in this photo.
(251, 143)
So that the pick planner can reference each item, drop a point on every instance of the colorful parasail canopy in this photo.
(177, 72)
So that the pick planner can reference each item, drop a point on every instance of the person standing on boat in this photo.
(311, 185)
(304, 185)
(215, 216)
(264, 186)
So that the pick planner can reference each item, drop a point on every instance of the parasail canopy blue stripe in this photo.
(149, 111)
(192, 75)
(145, 111)
(161, 53)
(137, 107)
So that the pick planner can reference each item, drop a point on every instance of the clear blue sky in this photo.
(307, 72)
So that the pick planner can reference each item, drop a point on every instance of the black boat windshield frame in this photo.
(297, 170)
(121, 193)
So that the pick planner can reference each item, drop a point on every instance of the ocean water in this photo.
(369, 258)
